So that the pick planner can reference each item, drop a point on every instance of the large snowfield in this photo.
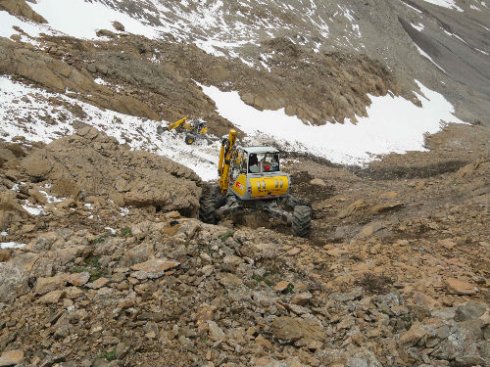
(394, 124)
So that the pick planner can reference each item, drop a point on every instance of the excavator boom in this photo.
(225, 155)
(177, 124)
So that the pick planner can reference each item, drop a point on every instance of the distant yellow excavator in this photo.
(194, 129)
(250, 177)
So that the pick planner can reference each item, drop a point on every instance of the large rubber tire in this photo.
(208, 204)
(301, 220)
(189, 139)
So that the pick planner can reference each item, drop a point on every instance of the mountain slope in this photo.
(320, 62)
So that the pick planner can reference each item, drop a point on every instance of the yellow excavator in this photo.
(251, 177)
(194, 129)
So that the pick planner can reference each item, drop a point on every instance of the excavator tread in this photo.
(301, 220)
(208, 205)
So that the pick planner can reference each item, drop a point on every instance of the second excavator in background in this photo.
(194, 129)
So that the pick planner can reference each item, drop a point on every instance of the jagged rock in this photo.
(70, 163)
(462, 345)
(318, 182)
(99, 283)
(215, 332)
(51, 298)
(230, 280)
(153, 269)
(59, 76)
(73, 292)
(78, 279)
(281, 286)
(302, 298)
(45, 285)
(414, 335)
(290, 329)
(470, 311)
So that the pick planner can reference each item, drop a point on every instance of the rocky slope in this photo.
(392, 275)
(102, 259)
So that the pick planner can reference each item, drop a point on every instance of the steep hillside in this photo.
(381, 110)
(311, 63)
(442, 43)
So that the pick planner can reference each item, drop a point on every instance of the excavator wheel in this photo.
(189, 139)
(208, 205)
(301, 220)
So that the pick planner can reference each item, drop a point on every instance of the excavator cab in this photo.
(251, 178)
(256, 174)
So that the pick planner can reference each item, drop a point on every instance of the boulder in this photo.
(470, 311)
(46, 285)
(11, 358)
(289, 329)
(118, 26)
(460, 287)
(413, 335)
(51, 297)
(78, 279)
(153, 269)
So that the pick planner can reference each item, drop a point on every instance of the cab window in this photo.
(263, 162)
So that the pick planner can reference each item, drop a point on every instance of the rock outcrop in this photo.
(59, 76)
(90, 163)
(21, 9)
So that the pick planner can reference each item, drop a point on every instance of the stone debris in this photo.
(117, 271)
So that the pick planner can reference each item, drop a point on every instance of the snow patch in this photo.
(111, 231)
(11, 245)
(419, 27)
(449, 4)
(35, 210)
(426, 55)
(8, 22)
(394, 124)
(82, 19)
(51, 199)
(123, 211)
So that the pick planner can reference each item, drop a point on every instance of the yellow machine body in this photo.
(274, 186)
(266, 181)
(194, 129)
(250, 178)
(265, 187)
